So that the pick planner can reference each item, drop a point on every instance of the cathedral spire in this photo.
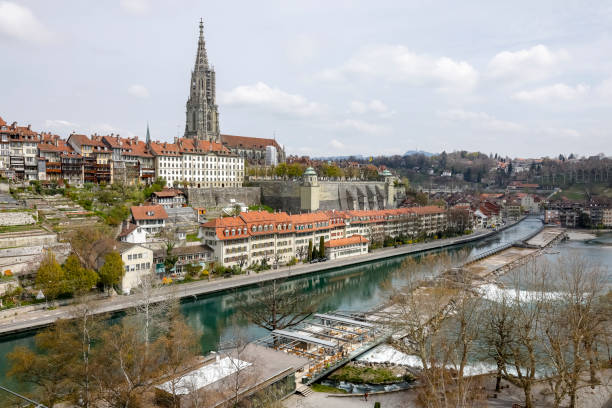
(148, 134)
(201, 57)
(202, 118)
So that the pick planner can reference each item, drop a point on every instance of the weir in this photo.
(331, 340)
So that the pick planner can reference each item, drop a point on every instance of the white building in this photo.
(198, 162)
(151, 218)
(345, 247)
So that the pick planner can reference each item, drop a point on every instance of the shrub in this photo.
(377, 404)
(292, 261)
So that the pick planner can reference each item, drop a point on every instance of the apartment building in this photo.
(18, 151)
(199, 163)
(277, 237)
(97, 166)
(132, 160)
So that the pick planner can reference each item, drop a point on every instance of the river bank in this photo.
(31, 317)
(356, 288)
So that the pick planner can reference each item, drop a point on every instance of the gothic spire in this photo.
(148, 134)
(201, 58)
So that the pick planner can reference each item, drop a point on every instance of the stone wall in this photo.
(16, 218)
(215, 198)
(333, 195)
(26, 260)
(27, 238)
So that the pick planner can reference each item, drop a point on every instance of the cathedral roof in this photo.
(248, 142)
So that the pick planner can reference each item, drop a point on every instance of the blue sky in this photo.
(521, 78)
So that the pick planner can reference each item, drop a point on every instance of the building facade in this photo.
(276, 238)
(198, 163)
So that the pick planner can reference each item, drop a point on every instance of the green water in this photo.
(356, 288)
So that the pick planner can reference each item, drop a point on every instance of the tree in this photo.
(295, 170)
(281, 170)
(78, 279)
(321, 247)
(50, 277)
(193, 269)
(309, 258)
(113, 269)
(59, 367)
(178, 350)
(89, 243)
(278, 306)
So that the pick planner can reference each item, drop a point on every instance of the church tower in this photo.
(202, 115)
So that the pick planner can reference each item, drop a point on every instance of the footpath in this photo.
(16, 320)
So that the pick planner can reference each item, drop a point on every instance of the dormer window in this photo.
(150, 213)
(254, 228)
(244, 230)
(226, 232)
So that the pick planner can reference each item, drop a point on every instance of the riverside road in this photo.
(19, 322)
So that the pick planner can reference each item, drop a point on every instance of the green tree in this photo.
(113, 269)
(295, 170)
(309, 250)
(78, 278)
(281, 170)
(322, 247)
(50, 277)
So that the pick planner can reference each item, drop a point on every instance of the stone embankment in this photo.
(12, 320)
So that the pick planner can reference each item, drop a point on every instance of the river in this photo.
(355, 288)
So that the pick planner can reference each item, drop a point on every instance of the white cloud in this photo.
(531, 64)
(60, 124)
(17, 21)
(139, 91)
(480, 120)
(336, 144)
(552, 93)
(374, 106)
(135, 6)
(362, 126)
(275, 100)
(397, 63)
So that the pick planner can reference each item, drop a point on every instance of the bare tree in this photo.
(278, 305)
(572, 326)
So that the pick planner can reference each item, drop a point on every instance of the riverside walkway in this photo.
(15, 320)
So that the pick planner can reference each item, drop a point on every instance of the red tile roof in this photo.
(352, 240)
(248, 142)
(149, 212)
(128, 229)
(83, 140)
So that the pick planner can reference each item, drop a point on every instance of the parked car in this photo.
(315, 260)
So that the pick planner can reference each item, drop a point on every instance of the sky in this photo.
(521, 78)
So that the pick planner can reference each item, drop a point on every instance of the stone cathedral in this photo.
(202, 112)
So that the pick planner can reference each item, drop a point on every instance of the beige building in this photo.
(256, 236)
(137, 261)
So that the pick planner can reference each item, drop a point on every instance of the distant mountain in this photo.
(356, 156)
(411, 152)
